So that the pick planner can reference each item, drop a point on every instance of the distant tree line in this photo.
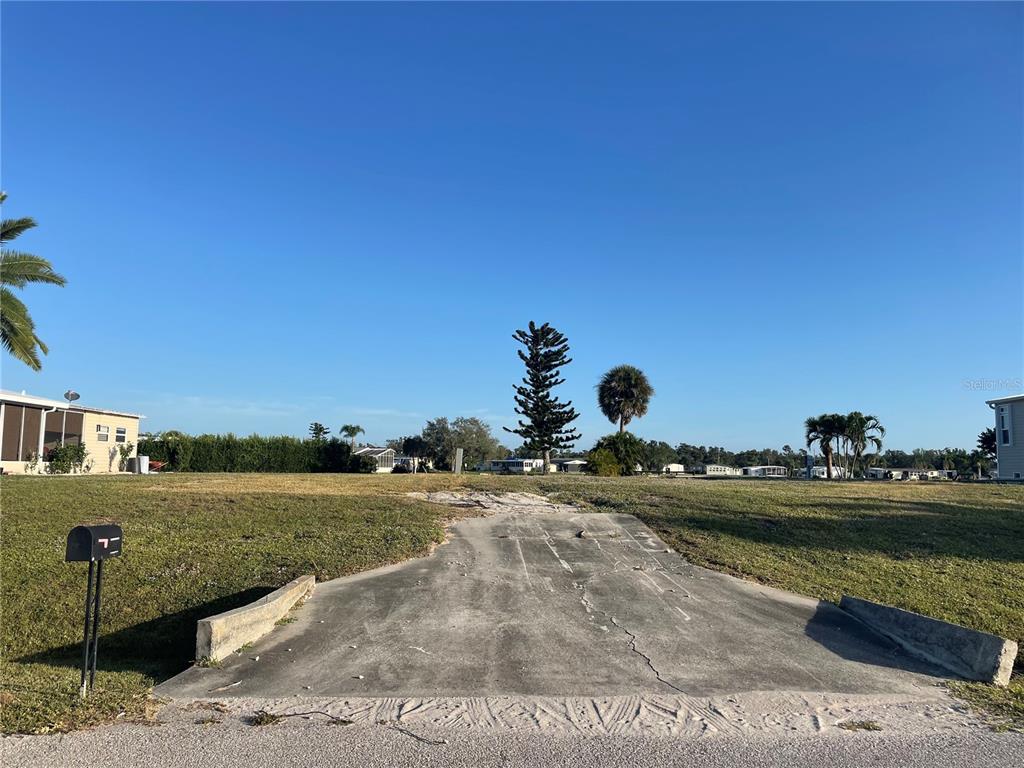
(852, 442)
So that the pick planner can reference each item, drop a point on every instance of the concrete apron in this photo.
(521, 604)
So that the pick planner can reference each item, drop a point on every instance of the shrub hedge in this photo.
(256, 453)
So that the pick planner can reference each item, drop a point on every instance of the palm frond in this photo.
(19, 269)
(11, 228)
(17, 331)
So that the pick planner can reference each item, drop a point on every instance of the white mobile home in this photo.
(33, 426)
(904, 473)
(766, 471)
(820, 473)
(519, 466)
(1009, 413)
(673, 469)
(816, 473)
(720, 470)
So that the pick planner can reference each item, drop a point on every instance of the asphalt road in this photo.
(324, 746)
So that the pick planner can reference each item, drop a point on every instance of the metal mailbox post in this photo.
(92, 544)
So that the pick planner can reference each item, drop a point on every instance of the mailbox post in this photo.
(92, 544)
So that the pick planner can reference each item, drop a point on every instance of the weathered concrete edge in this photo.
(967, 653)
(223, 634)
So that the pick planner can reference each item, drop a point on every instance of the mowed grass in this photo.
(199, 544)
(194, 546)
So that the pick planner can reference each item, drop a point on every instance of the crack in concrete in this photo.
(645, 657)
(589, 606)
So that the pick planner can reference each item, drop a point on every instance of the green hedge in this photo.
(230, 453)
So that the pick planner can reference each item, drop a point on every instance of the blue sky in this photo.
(270, 214)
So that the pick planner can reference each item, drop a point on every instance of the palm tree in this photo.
(17, 269)
(825, 430)
(862, 431)
(350, 431)
(623, 394)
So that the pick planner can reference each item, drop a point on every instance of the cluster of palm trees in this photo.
(18, 269)
(844, 440)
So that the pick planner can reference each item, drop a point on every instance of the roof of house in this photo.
(21, 398)
(1007, 399)
(569, 461)
(373, 451)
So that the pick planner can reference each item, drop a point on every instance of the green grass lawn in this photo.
(199, 544)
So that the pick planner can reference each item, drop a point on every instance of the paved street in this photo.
(390, 746)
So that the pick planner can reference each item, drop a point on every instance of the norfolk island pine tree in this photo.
(545, 423)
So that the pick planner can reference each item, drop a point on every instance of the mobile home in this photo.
(720, 470)
(766, 471)
(31, 427)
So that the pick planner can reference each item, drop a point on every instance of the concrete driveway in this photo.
(539, 636)
(537, 599)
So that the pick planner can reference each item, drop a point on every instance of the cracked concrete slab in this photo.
(537, 599)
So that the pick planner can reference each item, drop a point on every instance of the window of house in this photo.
(1005, 426)
(102, 433)
(121, 435)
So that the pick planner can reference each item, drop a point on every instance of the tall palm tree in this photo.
(17, 269)
(351, 431)
(623, 394)
(862, 431)
(825, 430)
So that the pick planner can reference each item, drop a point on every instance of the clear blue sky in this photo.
(270, 214)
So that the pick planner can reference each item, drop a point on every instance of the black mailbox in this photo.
(87, 543)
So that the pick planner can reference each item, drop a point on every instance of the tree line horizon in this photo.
(623, 395)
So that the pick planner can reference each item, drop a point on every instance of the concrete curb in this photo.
(966, 652)
(223, 634)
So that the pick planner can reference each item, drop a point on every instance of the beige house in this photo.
(33, 426)
(1009, 413)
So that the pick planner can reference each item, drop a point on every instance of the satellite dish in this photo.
(71, 395)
